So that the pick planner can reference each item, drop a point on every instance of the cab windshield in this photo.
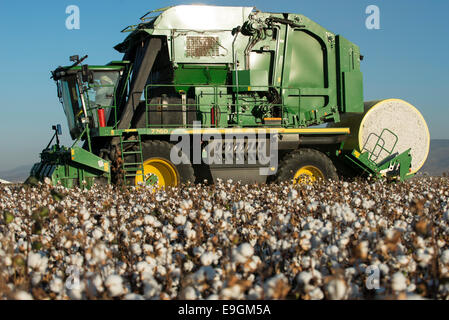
(101, 92)
(71, 102)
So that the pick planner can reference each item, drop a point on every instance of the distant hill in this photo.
(437, 163)
(19, 174)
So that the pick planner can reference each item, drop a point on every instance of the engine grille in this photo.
(200, 46)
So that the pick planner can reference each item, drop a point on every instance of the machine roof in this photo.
(188, 17)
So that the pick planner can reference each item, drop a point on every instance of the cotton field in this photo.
(335, 240)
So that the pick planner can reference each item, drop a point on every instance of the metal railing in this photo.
(214, 109)
(379, 146)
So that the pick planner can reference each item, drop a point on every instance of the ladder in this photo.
(134, 166)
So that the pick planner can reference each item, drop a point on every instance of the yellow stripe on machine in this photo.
(270, 130)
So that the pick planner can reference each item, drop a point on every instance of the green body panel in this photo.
(350, 81)
(71, 167)
(397, 167)
(208, 97)
(352, 91)
(304, 69)
(250, 80)
(88, 159)
(192, 74)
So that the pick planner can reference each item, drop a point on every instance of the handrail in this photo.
(217, 89)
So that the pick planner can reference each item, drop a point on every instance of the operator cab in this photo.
(84, 90)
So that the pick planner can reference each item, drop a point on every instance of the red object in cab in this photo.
(101, 118)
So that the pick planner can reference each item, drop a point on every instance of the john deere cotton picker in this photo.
(247, 78)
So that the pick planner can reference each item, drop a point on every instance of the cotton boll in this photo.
(35, 278)
(445, 257)
(313, 206)
(207, 258)
(306, 262)
(144, 267)
(316, 294)
(188, 266)
(336, 289)
(37, 262)
(151, 288)
(114, 284)
(399, 282)
(242, 253)
(8, 261)
(304, 279)
(255, 293)
(133, 296)
(246, 250)
(233, 292)
(186, 204)
(99, 253)
(22, 295)
(189, 293)
(276, 287)
(218, 214)
(190, 234)
(180, 220)
(97, 233)
(384, 269)
(292, 195)
(76, 292)
(84, 213)
(161, 270)
(136, 249)
(424, 256)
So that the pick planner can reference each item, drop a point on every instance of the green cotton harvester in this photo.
(209, 92)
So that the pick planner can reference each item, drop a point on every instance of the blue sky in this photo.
(407, 58)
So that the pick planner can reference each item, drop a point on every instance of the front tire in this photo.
(159, 169)
(305, 166)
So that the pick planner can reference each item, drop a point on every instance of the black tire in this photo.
(300, 158)
(162, 149)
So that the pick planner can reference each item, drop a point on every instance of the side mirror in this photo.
(58, 129)
(85, 73)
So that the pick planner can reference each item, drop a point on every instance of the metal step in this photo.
(132, 163)
(131, 168)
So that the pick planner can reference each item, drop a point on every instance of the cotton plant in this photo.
(227, 241)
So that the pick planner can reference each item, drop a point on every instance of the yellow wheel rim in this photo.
(158, 172)
(308, 175)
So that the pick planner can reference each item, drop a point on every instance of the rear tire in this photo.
(306, 166)
(159, 169)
